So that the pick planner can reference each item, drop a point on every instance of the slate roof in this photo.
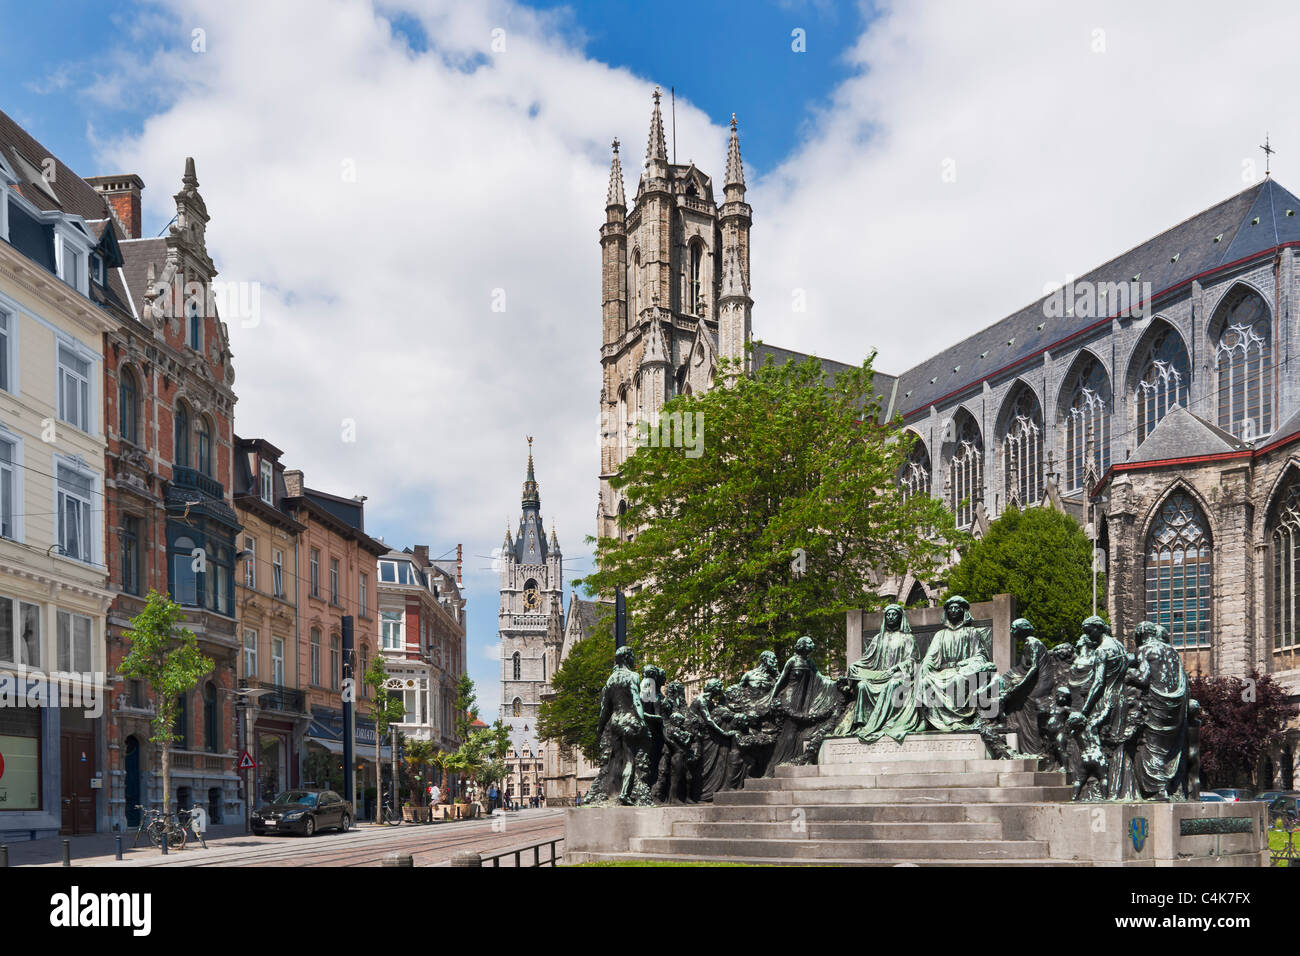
(1180, 434)
(1167, 261)
(883, 383)
(71, 195)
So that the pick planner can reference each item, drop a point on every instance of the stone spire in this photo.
(508, 545)
(656, 349)
(656, 151)
(614, 197)
(735, 168)
(555, 542)
(532, 500)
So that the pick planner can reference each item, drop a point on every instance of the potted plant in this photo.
(408, 812)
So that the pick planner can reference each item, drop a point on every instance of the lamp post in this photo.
(244, 699)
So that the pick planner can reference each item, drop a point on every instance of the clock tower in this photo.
(532, 591)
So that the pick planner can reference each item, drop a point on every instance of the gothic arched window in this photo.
(1285, 536)
(1087, 424)
(517, 708)
(1243, 359)
(1022, 449)
(181, 447)
(694, 290)
(203, 431)
(515, 665)
(1178, 571)
(1163, 377)
(915, 479)
(966, 469)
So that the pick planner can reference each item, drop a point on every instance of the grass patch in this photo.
(1278, 841)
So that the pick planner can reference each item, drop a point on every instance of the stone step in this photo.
(1032, 794)
(840, 830)
(883, 765)
(908, 780)
(842, 813)
(842, 849)
(780, 861)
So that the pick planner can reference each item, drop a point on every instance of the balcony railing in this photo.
(183, 477)
(287, 700)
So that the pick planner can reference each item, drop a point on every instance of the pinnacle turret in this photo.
(614, 197)
(735, 168)
(733, 277)
(531, 498)
(656, 151)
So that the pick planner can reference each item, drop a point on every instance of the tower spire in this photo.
(531, 499)
(656, 150)
(735, 168)
(614, 197)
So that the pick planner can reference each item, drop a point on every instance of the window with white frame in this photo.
(250, 653)
(277, 572)
(277, 660)
(72, 264)
(390, 630)
(364, 592)
(267, 472)
(20, 633)
(74, 647)
(8, 486)
(76, 534)
(334, 580)
(315, 573)
(315, 656)
(7, 322)
(74, 387)
(336, 660)
(250, 563)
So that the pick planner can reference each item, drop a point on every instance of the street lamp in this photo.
(244, 698)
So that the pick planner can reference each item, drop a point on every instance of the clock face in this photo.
(532, 600)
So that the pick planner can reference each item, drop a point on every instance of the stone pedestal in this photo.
(843, 753)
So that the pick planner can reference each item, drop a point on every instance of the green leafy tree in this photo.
(419, 755)
(1043, 559)
(165, 656)
(762, 523)
(389, 708)
(569, 718)
(466, 706)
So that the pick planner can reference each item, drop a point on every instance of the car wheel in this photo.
(309, 828)
(346, 824)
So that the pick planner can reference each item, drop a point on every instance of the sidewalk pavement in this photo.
(49, 850)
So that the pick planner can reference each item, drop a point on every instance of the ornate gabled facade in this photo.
(532, 585)
(675, 294)
(170, 516)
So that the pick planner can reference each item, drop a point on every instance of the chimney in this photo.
(422, 555)
(123, 196)
(293, 483)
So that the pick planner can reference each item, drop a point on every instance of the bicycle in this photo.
(152, 823)
(185, 820)
(388, 813)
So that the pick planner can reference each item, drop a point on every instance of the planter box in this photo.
(408, 814)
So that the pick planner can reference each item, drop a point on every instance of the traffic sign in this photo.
(246, 762)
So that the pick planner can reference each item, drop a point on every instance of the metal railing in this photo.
(183, 477)
(1288, 855)
(517, 854)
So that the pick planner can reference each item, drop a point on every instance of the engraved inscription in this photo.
(1191, 826)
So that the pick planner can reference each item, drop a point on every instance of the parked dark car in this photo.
(303, 811)
(1268, 796)
(1285, 809)
(1235, 794)
(1209, 796)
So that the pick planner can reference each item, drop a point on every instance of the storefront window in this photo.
(20, 758)
(272, 772)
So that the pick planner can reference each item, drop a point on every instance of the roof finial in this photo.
(656, 150)
(1268, 154)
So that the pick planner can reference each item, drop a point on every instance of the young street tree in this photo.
(466, 707)
(165, 656)
(389, 709)
(1041, 557)
(766, 525)
(570, 717)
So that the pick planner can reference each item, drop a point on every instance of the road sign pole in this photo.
(349, 714)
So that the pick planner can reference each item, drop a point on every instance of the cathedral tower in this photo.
(674, 294)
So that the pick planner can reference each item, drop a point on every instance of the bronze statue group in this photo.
(1120, 725)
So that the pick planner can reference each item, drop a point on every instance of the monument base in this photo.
(934, 799)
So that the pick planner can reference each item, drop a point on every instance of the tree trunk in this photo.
(379, 780)
(166, 775)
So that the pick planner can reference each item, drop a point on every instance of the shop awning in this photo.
(359, 751)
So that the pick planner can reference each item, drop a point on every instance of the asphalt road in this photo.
(366, 845)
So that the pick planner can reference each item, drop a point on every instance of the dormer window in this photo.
(97, 269)
(267, 491)
(72, 265)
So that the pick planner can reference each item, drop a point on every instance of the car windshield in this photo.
(302, 797)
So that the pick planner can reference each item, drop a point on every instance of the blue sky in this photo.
(923, 169)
